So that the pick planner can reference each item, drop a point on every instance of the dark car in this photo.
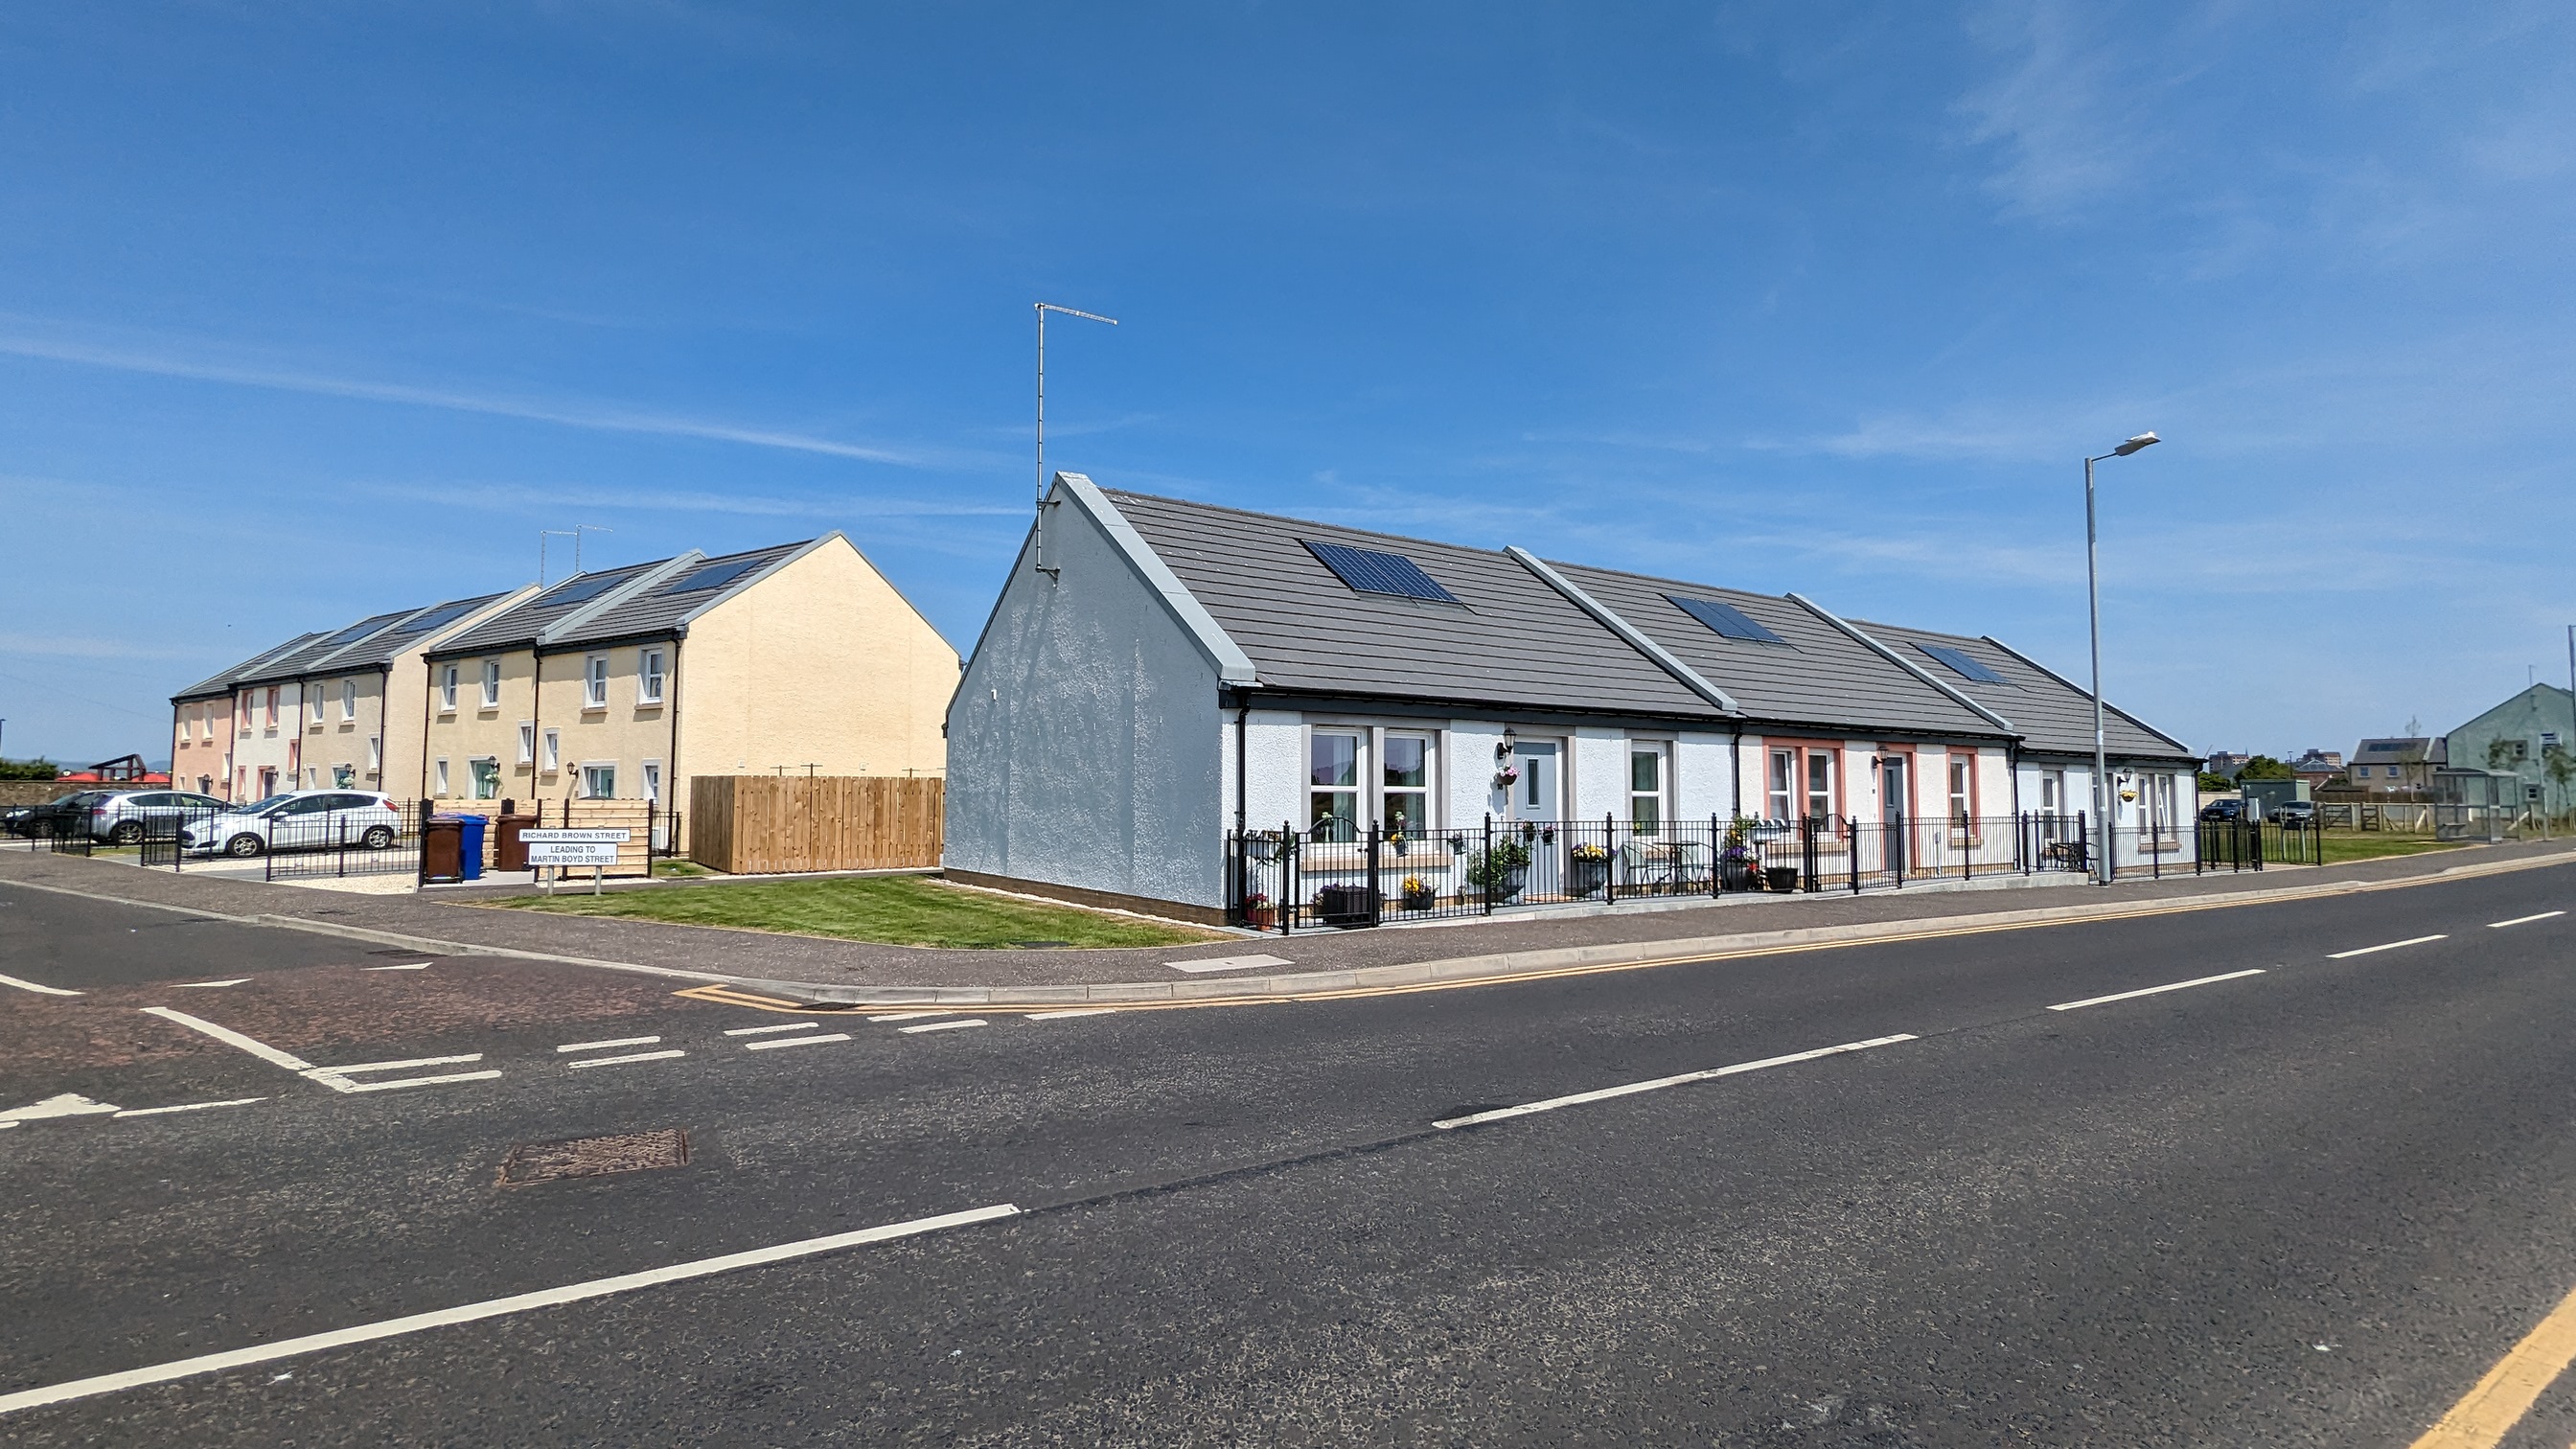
(68, 815)
(2223, 810)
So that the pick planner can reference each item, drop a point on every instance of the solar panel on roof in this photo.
(575, 590)
(440, 617)
(1961, 663)
(714, 575)
(1372, 572)
(358, 630)
(1725, 619)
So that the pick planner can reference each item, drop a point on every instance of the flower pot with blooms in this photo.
(1588, 868)
(1418, 894)
(1258, 913)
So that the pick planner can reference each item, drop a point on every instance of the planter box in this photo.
(1583, 877)
(1781, 877)
(1346, 906)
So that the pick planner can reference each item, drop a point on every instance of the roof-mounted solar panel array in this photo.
(438, 618)
(714, 575)
(1371, 572)
(1725, 620)
(1961, 663)
(578, 589)
(358, 630)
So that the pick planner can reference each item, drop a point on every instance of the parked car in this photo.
(2223, 810)
(60, 816)
(2295, 815)
(126, 816)
(298, 820)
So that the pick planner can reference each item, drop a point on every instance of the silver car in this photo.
(127, 816)
(298, 820)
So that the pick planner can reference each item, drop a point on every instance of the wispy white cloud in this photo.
(597, 417)
(516, 498)
(2055, 112)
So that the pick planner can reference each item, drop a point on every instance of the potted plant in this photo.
(1735, 860)
(1258, 913)
(1588, 868)
(1418, 894)
(1500, 872)
(1781, 877)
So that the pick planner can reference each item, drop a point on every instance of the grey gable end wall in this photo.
(1084, 738)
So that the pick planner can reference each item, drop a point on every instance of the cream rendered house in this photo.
(337, 708)
(622, 684)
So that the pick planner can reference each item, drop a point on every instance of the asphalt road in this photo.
(2308, 1206)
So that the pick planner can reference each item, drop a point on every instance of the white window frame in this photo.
(550, 758)
(312, 705)
(375, 754)
(477, 780)
(438, 781)
(1429, 790)
(1370, 785)
(1780, 783)
(448, 674)
(1960, 791)
(1661, 752)
(527, 742)
(594, 681)
(348, 700)
(1358, 787)
(1831, 795)
(653, 780)
(491, 684)
(648, 676)
(587, 791)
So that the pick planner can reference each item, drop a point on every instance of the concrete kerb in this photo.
(1313, 985)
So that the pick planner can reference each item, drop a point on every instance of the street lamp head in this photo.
(2142, 440)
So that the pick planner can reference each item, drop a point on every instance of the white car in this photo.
(298, 820)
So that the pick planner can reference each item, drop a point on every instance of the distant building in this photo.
(2226, 762)
(2395, 766)
(2317, 767)
(2528, 736)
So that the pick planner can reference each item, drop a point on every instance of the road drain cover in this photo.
(595, 1156)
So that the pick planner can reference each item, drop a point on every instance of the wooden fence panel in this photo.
(770, 825)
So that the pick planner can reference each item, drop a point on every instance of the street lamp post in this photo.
(2093, 587)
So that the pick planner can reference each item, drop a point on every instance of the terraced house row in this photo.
(617, 683)
(1160, 677)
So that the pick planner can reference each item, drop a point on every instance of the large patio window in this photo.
(1333, 784)
(1405, 804)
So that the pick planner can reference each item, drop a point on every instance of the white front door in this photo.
(1536, 795)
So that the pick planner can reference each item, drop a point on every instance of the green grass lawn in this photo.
(901, 910)
(2342, 846)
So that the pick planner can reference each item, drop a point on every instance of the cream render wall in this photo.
(822, 662)
(471, 729)
(337, 741)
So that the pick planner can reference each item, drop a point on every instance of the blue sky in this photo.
(309, 312)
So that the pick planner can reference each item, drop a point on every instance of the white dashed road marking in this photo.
(2154, 990)
(942, 1025)
(489, 1308)
(630, 1057)
(909, 1015)
(2387, 946)
(1659, 1083)
(766, 1030)
(1061, 1015)
(601, 1046)
(200, 985)
(32, 986)
(232, 1038)
(415, 966)
(2523, 920)
(786, 1041)
(188, 1107)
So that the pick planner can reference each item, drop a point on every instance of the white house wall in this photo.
(1084, 740)
(1702, 777)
